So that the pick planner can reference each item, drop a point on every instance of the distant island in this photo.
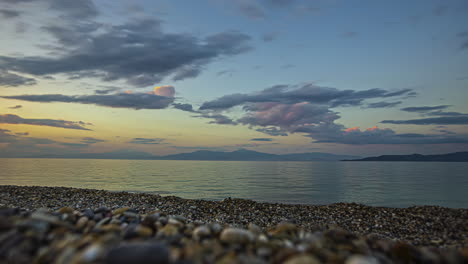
(450, 157)
(238, 155)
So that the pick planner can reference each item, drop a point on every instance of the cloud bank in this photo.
(15, 119)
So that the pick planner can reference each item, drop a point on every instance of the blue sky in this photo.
(187, 75)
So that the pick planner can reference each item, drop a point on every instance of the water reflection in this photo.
(397, 184)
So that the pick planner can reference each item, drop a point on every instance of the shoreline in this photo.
(71, 225)
(418, 225)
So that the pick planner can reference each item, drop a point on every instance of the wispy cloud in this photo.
(126, 52)
(261, 139)
(423, 109)
(446, 120)
(147, 141)
(14, 80)
(15, 119)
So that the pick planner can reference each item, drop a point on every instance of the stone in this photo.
(302, 259)
(142, 253)
(236, 235)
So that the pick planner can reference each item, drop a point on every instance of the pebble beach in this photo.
(69, 225)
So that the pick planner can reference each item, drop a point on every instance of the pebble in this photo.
(232, 231)
(236, 235)
(141, 253)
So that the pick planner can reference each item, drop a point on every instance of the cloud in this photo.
(167, 91)
(136, 101)
(217, 118)
(107, 90)
(272, 131)
(14, 119)
(464, 35)
(383, 104)
(225, 72)
(304, 93)
(444, 113)
(446, 120)
(69, 9)
(375, 135)
(75, 9)
(91, 140)
(15, 107)
(9, 13)
(183, 107)
(147, 141)
(127, 52)
(14, 80)
(423, 109)
(261, 139)
(308, 110)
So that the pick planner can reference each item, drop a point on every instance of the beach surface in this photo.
(69, 225)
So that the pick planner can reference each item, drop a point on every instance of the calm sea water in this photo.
(395, 184)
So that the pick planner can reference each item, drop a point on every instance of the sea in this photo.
(388, 184)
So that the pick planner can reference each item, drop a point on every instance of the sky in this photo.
(358, 77)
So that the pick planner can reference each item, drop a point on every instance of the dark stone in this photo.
(88, 213)
(147, 252)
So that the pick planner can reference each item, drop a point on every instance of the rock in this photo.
(302, 259)
(236, 235)
(66, 210)
(120, 210)
(142, 253)
(360, 259)
(81, 223)
(88, 213)
(201, 232)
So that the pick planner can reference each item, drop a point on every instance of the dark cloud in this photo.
(147, 141)
(383, 104)
(261, 139)
(217, 119)
(91, 140)
(307, 110)
(75, 9)
(305, 93)
(69, 9)
(121, 100)
(423, 109)
(127, 52)
(107, 90)
(464, 35)
(14, 119)
(22, 133)
(446, 120)
(225, 72)
(6, 136)
(355, 136)
(444, 113)
(183, 107)
(272, 131)
(15, 107)
(9, 13)
(14, 80)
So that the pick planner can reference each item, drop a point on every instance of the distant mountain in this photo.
(249, 155)
(238, 155)
(450, 157)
